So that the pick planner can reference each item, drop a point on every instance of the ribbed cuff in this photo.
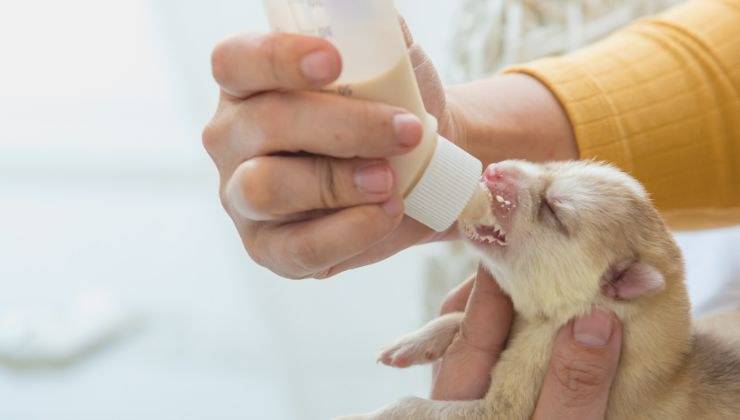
(592, 117)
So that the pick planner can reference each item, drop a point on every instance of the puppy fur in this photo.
(559, 262)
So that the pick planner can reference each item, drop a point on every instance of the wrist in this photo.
(510, 116)
(455, 129)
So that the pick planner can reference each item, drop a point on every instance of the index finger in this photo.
(464, 372)
(487, 315)
(247, 64)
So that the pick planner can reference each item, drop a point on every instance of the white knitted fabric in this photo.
(491, 34)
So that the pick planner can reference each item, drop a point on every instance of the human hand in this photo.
(582, 366)
(303, 174)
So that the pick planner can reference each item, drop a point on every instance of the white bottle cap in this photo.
(446, 186)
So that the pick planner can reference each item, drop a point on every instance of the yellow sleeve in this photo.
(661, 100)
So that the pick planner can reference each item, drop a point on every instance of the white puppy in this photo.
(566, 237)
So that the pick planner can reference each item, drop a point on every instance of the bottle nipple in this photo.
(478, 211)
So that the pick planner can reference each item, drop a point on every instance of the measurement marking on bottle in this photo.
(310, 18)
(344, 90)
(324, 31)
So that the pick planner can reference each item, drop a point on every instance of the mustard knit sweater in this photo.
(661, 100)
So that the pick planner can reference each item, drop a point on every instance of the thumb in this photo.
(582, 367)
(464, 373)
(430, 84)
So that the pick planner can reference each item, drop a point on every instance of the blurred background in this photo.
(124, 289)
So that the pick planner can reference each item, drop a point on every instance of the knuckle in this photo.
(327, 177)
(211, 136)
(375, 124)
(580, 380)
(220, 61)
(254, 177)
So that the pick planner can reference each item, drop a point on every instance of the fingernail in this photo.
(318, 66)
(593, 330)
(394, 206)
(408, 129)
(375, 178)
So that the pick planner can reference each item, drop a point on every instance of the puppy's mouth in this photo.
(485, 235)
(483, 225)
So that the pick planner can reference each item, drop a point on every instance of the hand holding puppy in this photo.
(582, 367)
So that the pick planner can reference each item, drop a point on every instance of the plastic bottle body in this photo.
(398, 87)
(377, 67)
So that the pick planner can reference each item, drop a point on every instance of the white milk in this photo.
(398, 87)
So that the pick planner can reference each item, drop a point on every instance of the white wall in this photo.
(104, 185)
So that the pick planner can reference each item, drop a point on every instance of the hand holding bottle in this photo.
(304, 174)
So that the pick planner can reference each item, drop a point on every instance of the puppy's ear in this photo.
(632, 279)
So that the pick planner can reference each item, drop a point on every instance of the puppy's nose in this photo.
(497, 173)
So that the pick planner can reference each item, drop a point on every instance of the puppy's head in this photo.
(566, 234)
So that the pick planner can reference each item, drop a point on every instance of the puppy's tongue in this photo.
(478, 211)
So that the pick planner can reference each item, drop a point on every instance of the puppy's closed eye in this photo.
(549, 213)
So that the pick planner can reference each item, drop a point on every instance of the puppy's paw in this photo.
(424, 345)
(410, 350)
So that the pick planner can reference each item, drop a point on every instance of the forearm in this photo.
(511, 116)
(659, 99)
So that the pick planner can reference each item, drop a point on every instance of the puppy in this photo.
(566, 237)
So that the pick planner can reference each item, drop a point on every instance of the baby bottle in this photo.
(438, 180)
